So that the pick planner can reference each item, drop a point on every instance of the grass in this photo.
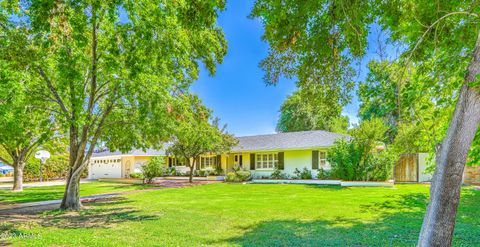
(251, 215)
(56, 192)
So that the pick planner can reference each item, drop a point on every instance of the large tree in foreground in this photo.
(197, 133)
(317, 40)
(112, 67)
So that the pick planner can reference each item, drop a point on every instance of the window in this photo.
(207, 161)
(266, 161)
(322, 157)
(238, 159)
(178, 162)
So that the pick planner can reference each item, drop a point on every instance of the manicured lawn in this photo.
(56, 192)
(252, 215)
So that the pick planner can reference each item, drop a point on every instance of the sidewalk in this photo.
(41, 184)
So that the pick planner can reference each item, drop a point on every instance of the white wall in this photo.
(422, 165)
(294, 159)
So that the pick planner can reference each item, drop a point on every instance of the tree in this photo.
(323, 37)
(111, 68)
(154, 168)
(359, 157)
(296, 114)
(198, 133)
(24, 126)
(417, 112)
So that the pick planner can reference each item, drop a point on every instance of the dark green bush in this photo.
(303, 174)
(323, 174)
(352, 161)
(278, 174)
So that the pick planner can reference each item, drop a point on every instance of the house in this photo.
(260, 154)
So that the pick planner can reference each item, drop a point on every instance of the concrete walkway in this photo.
(6, 179)
(41, 184)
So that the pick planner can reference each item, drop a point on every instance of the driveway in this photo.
(41, 184)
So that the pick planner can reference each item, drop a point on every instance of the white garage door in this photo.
(109, 170)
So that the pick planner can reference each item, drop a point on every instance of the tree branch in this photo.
(53, 90)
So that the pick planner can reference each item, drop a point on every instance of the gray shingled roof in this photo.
(281, 141)
(288, 141)
(136, 152)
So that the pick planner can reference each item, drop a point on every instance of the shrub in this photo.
(2, 175)
(154, 168)
(303, 174)
(238, 176)
(351, 160)
(278, 174)
(137, 175)
(323, 174)
(202, 173)
(218, 170)
(54, 168)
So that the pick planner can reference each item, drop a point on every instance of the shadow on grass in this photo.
(398, 224)
(9, 231)
(104, 213)
(39, 194)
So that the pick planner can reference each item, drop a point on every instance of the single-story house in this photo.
(259, 154)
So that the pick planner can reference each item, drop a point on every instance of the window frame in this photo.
(322, 162)
(212, 161)
(266, 161)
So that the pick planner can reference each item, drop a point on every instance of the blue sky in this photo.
(237, 93)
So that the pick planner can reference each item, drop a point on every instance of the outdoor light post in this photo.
(42, 155)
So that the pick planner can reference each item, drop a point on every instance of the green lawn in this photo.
(252, 215)
(56, 192)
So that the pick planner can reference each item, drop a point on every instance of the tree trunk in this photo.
(439, 221)
(71, 197)
(190, 179)
(18, 175)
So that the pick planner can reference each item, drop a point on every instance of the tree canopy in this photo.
(24, 124)
(197, 133)
(298, 114)
(317, 41)
(111, 68)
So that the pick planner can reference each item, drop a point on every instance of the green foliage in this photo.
(474, 155)
(318, 41)
(303, 174)
(344, 159)
(358, 158)
(111, 79)
(298, 114)
(154, 168)
(54, 168)
(137, 175)
(197, 132)
(323, 174)
(238, 176)
(278, 174)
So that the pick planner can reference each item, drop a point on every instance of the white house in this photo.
(259, 154)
